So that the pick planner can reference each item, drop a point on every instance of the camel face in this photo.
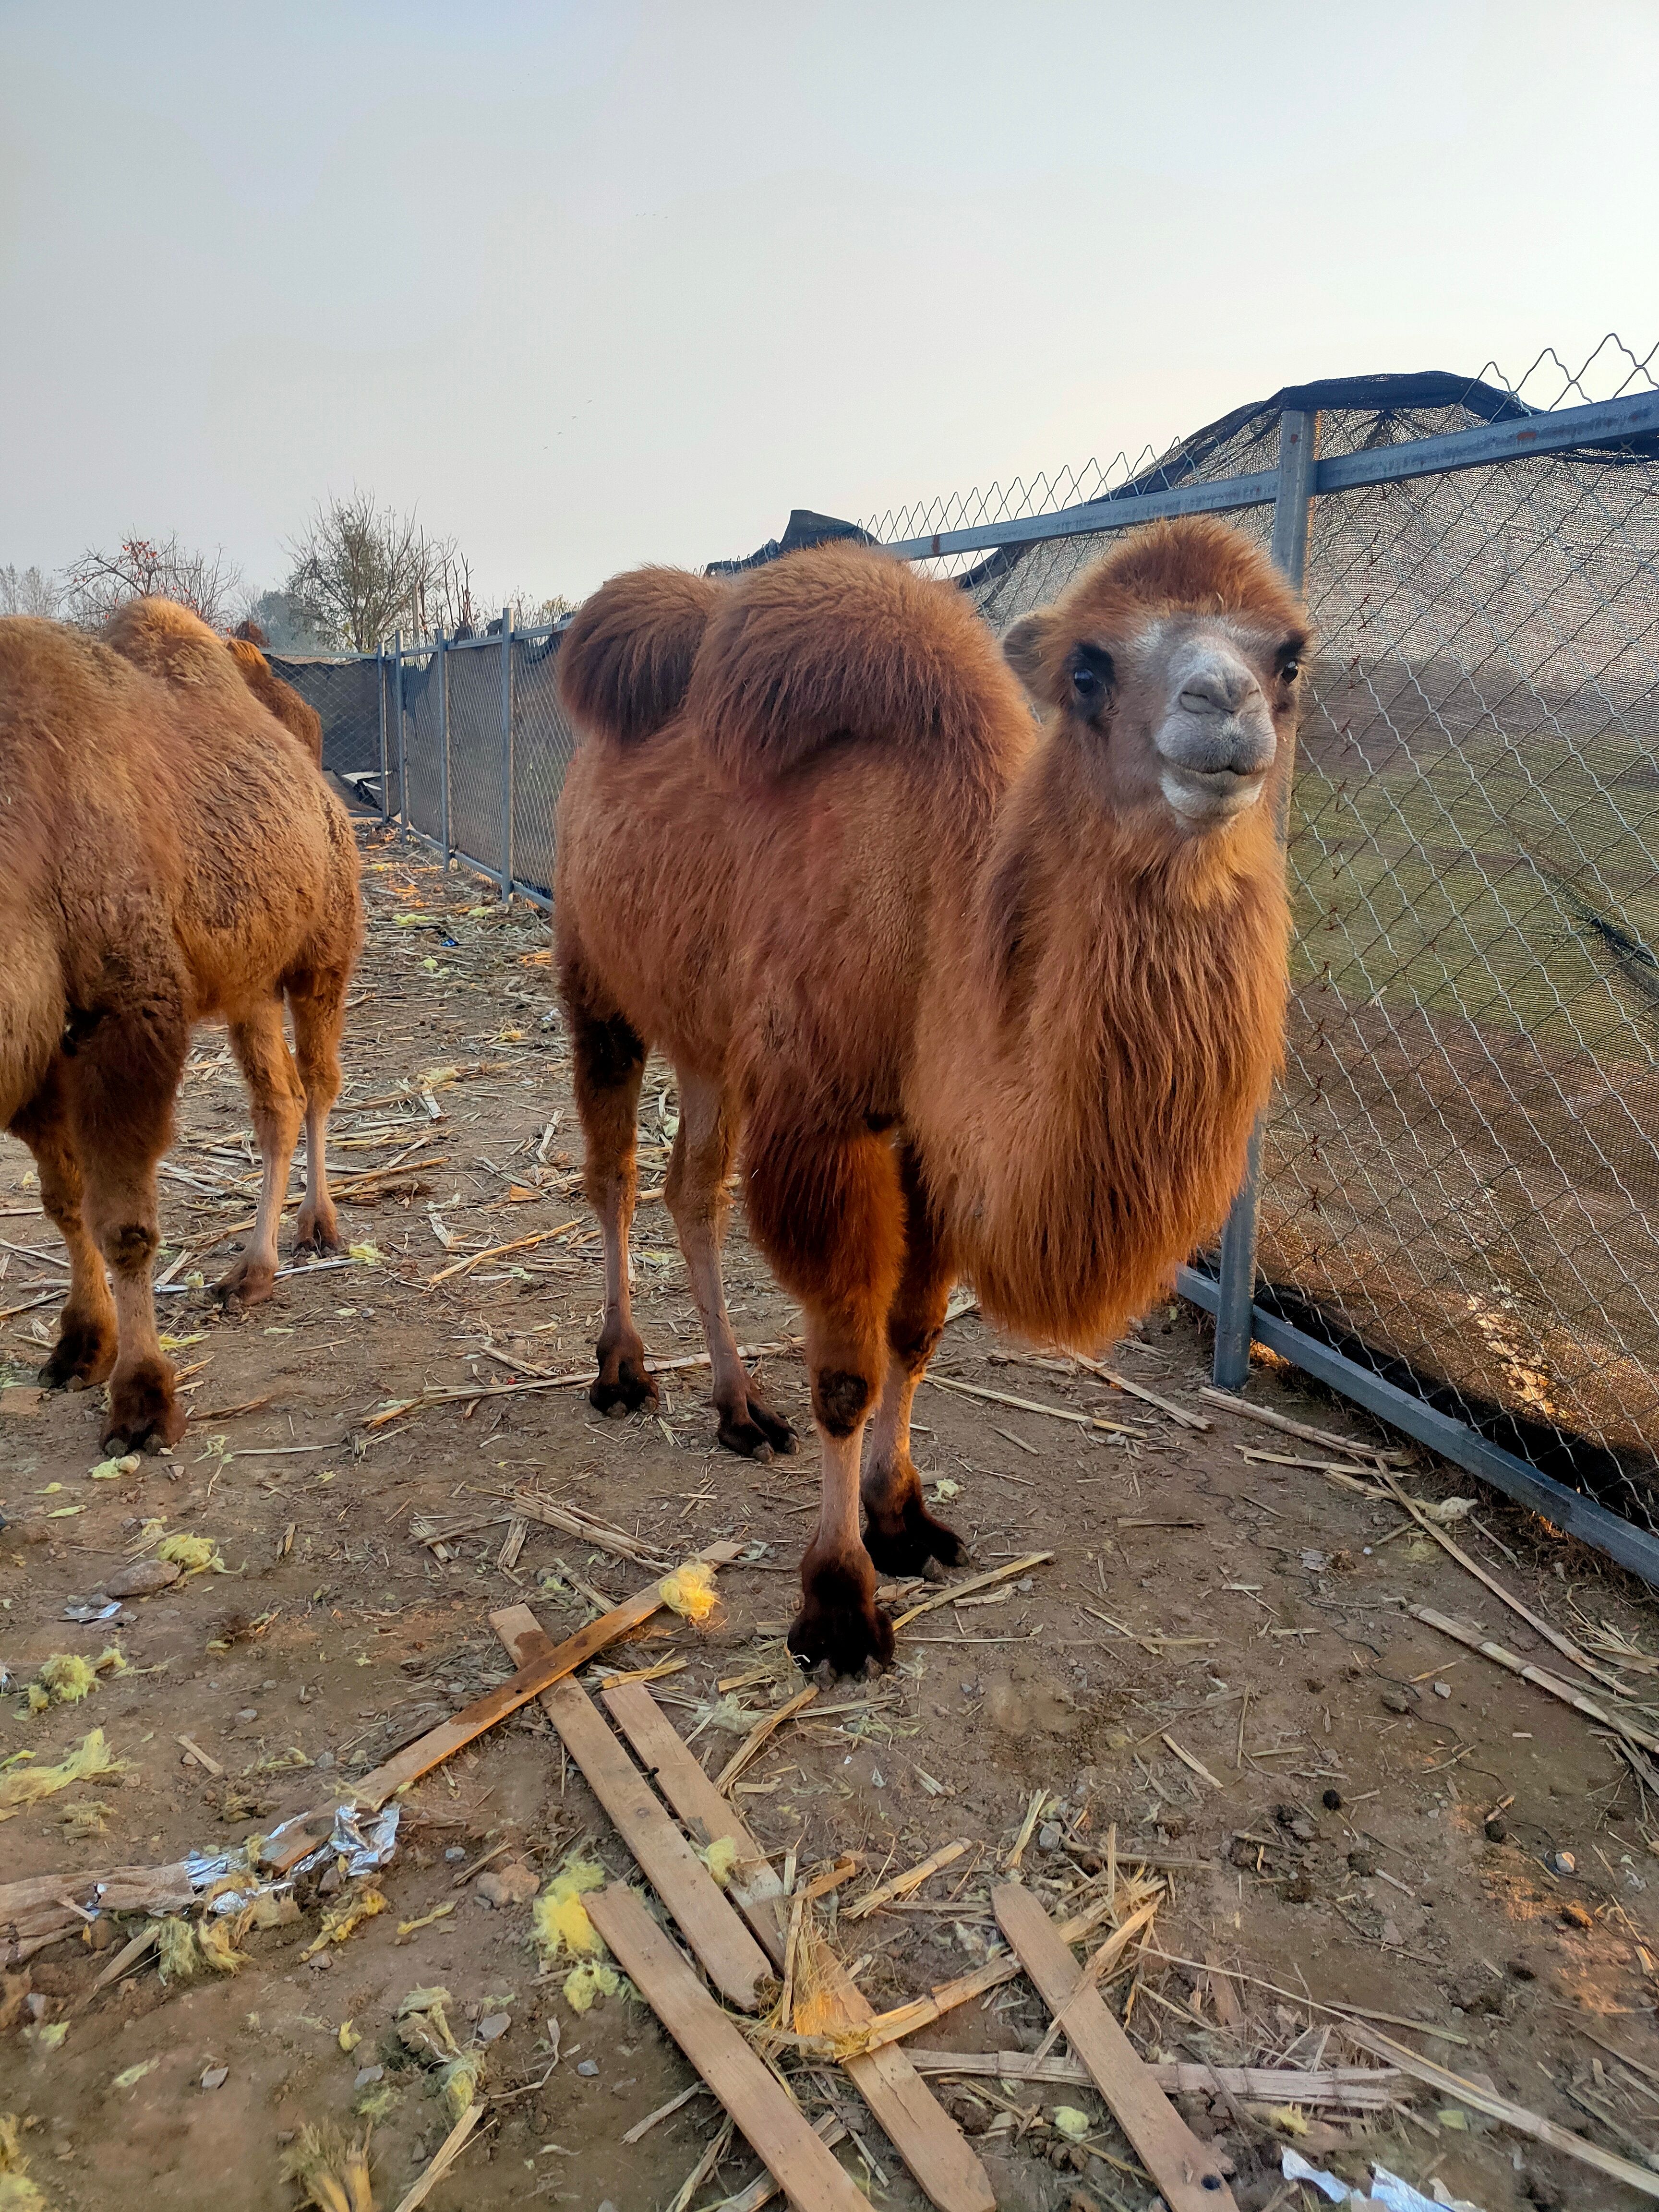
(1212, 724)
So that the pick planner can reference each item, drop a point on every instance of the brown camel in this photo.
(980, 999)
(297, 715)
(167, 853)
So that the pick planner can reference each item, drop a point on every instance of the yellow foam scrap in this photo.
(195, 1555)
(333, 2173)
(23, 1786)
(178, 1955)
(349, 2037)
(592, 1979)
(69, 1677)
(689, 1590)
(459, 2080)
(559, 1919)
(347, 1912)
(38, 1700)
(217, 1942)
(112, 1659)
(1071, 2122)
(721, 1859)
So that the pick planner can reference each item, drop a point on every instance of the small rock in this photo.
(1443, 1689)
(1396, 1701)
(215, 2077)
(510, 1883)
(1496, 1828)
(1315, 1562)
(248, 1713)
(455, 1851)
(1025, 1587)
(1049, 1836)
(586, 2066)
(495, 2026)
(1522, 1969)
(368, 2075)
(143, 1578)
(321, 1963)
(1561, 1862)
(1391, 1935)
(324, 1760)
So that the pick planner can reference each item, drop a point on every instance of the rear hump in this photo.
(626, 659)
(839, 643)
(297, 715)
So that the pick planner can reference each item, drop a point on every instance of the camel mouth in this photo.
(1204, 799)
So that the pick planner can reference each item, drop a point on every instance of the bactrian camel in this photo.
(167, 853)
(979, 998)
(297, 715)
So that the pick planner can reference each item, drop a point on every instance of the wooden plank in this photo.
(920, 2129)
(732, 1960)
(772, 2125)
(662, 1751)
(1365, 2088)
(1183, 2168)
(918, 2126)
(1524, 2122)
(561, 1659)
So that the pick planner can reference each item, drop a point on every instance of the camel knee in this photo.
(841, 1399)
(130, 1246)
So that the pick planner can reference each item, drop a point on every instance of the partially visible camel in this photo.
(297, 715)
(980, 999)
(167, 853)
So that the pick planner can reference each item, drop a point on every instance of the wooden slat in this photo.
(559, 1659)
(1183, 2168)
(663, 1753)
(920, 2129)
(774, 2128)
(730, 1955)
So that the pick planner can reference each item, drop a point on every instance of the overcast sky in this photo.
(593, 284)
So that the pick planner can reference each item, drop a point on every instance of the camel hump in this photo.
(841, 641)
(626, 659)
(167, 641)
(297, 715)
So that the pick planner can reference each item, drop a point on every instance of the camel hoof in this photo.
(143, 1413)
(838, 1626)
(319, 1234)
(626, 1392)
(915, 1544)
(753, 1431)
(80, 1356)
(246, 1285)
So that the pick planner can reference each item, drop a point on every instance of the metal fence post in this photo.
(443, 746)
(386, 764)
(397, 709)
(1298, 452)
(506, 756)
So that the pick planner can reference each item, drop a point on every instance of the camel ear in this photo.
(1025, 648)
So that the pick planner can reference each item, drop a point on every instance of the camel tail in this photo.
(840, 642)
(626, 659)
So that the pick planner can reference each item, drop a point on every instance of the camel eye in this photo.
(1291, 671)
(1086, 682)
(1091, 674)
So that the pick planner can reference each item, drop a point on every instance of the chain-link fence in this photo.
(1458, 1199)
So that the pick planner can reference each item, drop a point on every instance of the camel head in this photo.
(1171, 665)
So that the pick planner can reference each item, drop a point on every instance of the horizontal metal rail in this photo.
(1580, 1516)
(1611, 422)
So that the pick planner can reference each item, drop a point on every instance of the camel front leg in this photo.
(902, 1537)
(609, 1056)
(317, 1003)
(829, 1213)
(699, 1198)
(85, 1351)
(278, 1102)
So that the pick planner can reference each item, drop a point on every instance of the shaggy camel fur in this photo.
(980, 999)
(167, 853)
(297, 716)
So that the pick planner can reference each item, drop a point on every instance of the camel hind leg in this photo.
(278, 1102)
(902, 1537)
(608, 1057)
(699, 1197)
(317, 1003)
(85, 1351)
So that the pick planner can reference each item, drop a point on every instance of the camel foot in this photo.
(249, 1283)
(909, 1541)
(749, 1427)
(625, 1390)
(143, 1413)
(83, 1354)
(838, 1630)
(318, 1233)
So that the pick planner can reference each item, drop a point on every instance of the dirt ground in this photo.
(1217, 1661)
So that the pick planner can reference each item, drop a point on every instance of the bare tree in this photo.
(29, 591)
(361, 570)
(100, 583)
